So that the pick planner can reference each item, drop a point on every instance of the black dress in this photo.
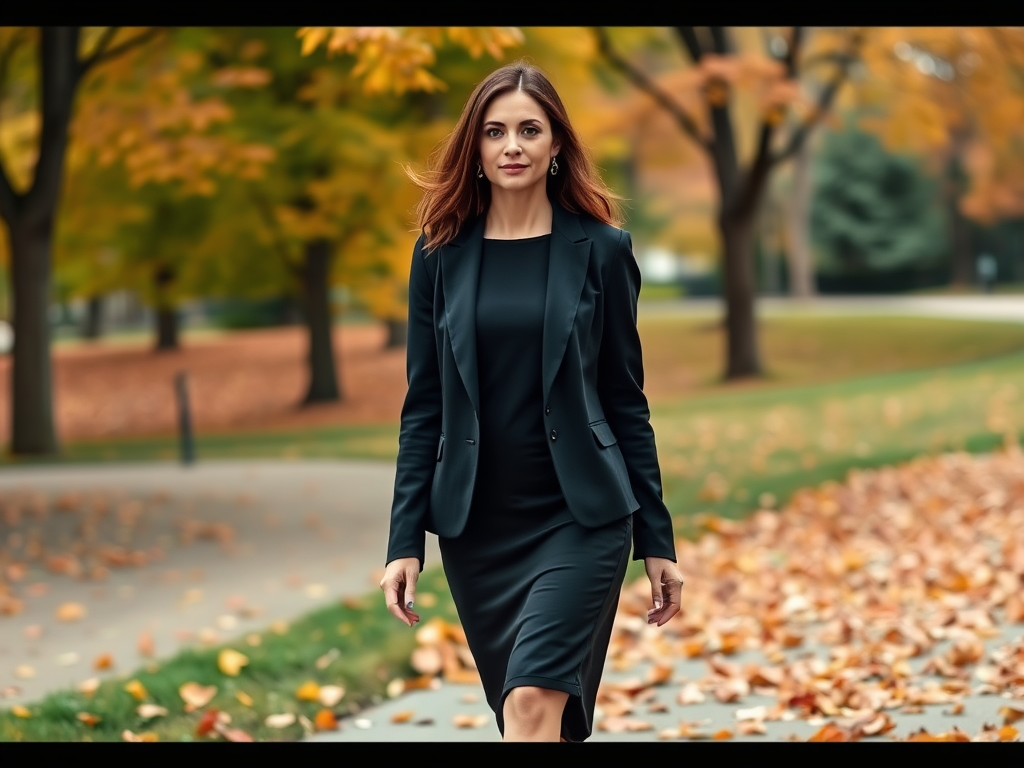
(536, 592)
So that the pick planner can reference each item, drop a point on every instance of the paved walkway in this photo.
(307, 533)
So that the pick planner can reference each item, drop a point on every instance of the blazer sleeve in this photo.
(420, 422)
(620, 387)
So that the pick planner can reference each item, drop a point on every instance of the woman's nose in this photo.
(512, 148)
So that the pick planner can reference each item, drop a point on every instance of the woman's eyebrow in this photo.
(521, 122)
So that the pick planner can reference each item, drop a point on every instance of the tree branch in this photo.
(825, 100)
(102, 53)
(721, 40)
(692, 42)
(8, 197)
(646, 84)
(794, 52)
(101, 46)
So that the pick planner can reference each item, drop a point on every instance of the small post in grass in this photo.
(188, 451)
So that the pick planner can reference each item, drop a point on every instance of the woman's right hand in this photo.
(399, 585)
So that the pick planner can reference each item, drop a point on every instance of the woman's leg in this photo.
(533, 714)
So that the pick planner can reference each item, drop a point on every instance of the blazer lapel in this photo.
(460, 274)
(567, 271)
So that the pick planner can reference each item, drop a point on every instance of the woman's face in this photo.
(516, 142)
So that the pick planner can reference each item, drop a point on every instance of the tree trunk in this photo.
(92, 323)
(30, 219)
(167, 325)
(743, 357)
(323, 380)
(396, 334)
(798, 224)
(32, 421)
(962, 258)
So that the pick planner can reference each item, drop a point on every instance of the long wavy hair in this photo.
(452, 193)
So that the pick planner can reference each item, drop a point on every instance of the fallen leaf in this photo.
(67, 659)
(230, 662)
(33, 631)
(24, 672)
(282, 720)
(752, 728)
(279, 627)
(956, 709)
(70, 612)
(330, 695)
(19, 711)
(691, 694)
(426, 660)
(722, 735)
(402, 717)
(235, 734)
(146, 646)
(149, 711)
(196, 696)
(659, 674)
(88, 718)
(1007, 733)
(470, 721)
(325, 720)
(149, 736)
(1011, 715)
(831, 732)
(308, 691)
(327, 659)
(103, 661)
(136, 689)
(362, 723)
(90, 686)
(206, 722)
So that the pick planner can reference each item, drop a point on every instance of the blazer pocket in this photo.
(603, 433)
(440, 447)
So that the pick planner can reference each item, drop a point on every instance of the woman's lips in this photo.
(513, 169)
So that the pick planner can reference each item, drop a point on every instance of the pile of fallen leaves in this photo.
(900, 567)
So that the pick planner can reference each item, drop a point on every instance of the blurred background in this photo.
(206, 232)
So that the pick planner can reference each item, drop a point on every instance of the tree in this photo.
(707, 108)
(956, 97)
(64, 61)
(873, 211)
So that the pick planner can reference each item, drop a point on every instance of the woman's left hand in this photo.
(666, 589)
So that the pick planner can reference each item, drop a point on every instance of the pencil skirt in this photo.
(537, 597)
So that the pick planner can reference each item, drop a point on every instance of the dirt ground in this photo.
(243, 380)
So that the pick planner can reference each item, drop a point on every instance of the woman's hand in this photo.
(399, 585)
(666, 589)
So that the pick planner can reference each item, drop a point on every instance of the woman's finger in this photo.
(392, 596)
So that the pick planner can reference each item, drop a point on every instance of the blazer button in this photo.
(547, 410)
(554, 435)
(471, 441)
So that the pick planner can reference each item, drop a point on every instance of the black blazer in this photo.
(596, 415)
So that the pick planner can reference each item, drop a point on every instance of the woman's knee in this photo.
(529, 703)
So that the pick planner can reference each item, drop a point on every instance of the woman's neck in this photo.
(512, 216)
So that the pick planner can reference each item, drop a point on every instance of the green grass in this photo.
(722, 451)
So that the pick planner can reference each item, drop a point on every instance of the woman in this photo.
(525, 442)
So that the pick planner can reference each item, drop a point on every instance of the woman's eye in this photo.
(493, 132)
(530, 131)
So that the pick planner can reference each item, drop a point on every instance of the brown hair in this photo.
(452, 193)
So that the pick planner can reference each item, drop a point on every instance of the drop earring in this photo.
(554, 165)
(479, 171)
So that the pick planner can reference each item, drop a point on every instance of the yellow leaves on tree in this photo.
(396, 59)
